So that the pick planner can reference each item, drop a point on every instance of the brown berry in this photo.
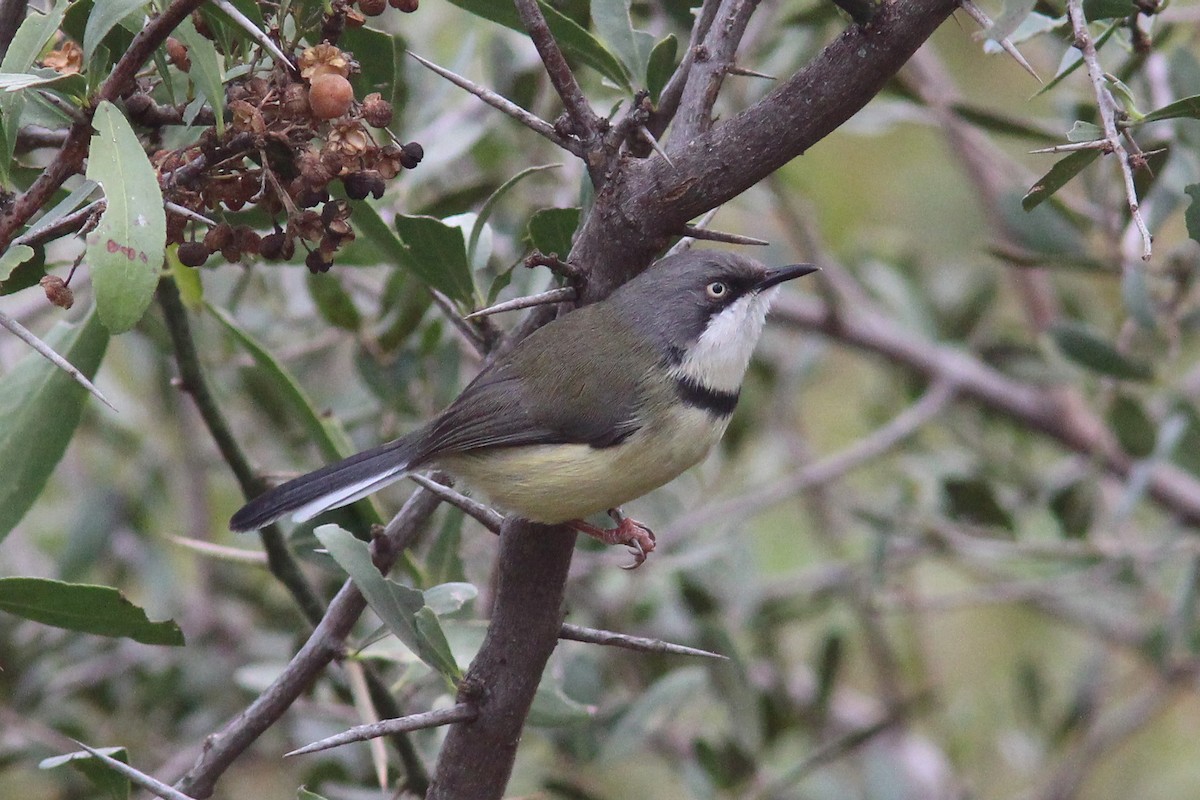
(407, 6)
(372, 8)
(57, 291)
(272, 246)
(218, 236)
(316, 262)
(295, 101)
(194, 254)
(377, 111)
(247, 239)
(178, 54)
(411, 155)
(330, 96)
(362, 183)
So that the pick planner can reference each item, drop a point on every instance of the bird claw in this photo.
(634, 535)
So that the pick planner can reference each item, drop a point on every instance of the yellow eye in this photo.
(716, 290)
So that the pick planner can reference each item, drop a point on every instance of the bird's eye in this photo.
(716, 290)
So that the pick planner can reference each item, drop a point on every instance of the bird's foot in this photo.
(629, 532)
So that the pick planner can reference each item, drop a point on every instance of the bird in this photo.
(591, 411)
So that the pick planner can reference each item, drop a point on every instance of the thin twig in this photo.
(708, 70)
(720, 236)
(191, 380)
(1108, 117)
(976, 13)
(71, 110)
(459, 712)
(187, 212)
(235, 555)
(47, 352)
(505, 106)
(136, 776)
(486, 516)
(446, 306)
(668, 99)
(255, 33)
(323, 645)
(578, 633)
(587, 124)
(561, 294)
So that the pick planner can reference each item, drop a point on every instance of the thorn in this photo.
(578, 633)
(649, 137)
(1093, 144)
(47, 352)
(505, 106)
(685, 243)
(255, 32)
(560, 295)
(720, 236)
(187, 212)
(984, 21)
(750, 73)
(136, 776)
(460, 712)
(487, 516)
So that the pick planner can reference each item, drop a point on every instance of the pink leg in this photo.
(634, 535)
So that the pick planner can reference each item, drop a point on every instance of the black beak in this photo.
(781, 274)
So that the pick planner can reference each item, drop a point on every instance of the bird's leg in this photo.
(629, 532)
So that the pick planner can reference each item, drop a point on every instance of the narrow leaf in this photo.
(1090, 350)
(101, 610)
(613, 23)
(1191, 215)
(206, 73)
(110, 784)
(1133, 427)
(1057, 177)
(1187, 107)
(571, 37)
(661, 65)
(333, 302)
(398, 606)
(28, 42)
(125, 251)
(436, 253)
(551, 230)
(1094, 10)
(40, 406)
(323, 430)
(105, 15)
(494, 198)
(13, 257)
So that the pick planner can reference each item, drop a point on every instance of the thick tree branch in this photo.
(587, 124)
(477, 757)
(648, 200)
(711, 61)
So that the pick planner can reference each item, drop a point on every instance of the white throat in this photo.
(719, 358)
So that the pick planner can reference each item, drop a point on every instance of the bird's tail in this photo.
(329, 487)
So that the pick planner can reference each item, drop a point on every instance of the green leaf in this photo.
(1077, 59)
(613, 23)
(1085, 132)
(1090, 350)
(661, 65)
(1191, 216)
(651, 709)
(437, 254)
(40, 406)
(1188, 107)
(379, 55)
(552, 708)
(206, 73)
(28, 42)
(1074, 507)
(1057, 177)
(572, 38)
(489, 205)
(111, 784)
(1094, 10)
(973, 500)
(1187, 453)
(333, 302)
(401, 608)
(101, 610)
(105, 15)
(1134, 429)
(551, 230)
(996, 122)
(126, 250)
(447, 598)
(187, 280)
(41, 78)
(323, 430)
(12, 258)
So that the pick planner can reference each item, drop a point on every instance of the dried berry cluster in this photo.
(290, 134)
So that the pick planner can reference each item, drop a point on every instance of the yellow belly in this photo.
(559, 482)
